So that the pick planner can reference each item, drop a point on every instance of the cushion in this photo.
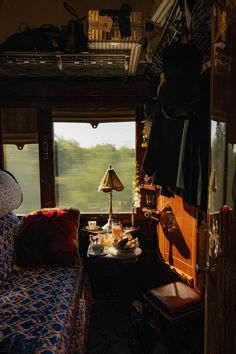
(48, 236)
(175, 299)
(10, 193)
(8, 227)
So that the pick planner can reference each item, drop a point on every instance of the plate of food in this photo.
(126, 244)
(117, 253)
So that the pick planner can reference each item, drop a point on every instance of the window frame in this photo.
(46, 118)
(94, 116)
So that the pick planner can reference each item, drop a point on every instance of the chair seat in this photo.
(175, 300)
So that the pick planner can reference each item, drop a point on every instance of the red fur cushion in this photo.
(48, 236)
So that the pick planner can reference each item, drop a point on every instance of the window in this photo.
(24, 165)
(218, 136)
(230, 173)
(82, 155)
(21, 153)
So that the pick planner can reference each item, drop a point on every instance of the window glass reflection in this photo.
(218, 135)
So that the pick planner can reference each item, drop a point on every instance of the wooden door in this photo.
(220, 316)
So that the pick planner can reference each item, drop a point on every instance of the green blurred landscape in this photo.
(78, 172)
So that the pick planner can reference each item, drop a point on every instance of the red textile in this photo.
(48, 236)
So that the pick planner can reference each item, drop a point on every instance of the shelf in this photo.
(185, 277)
(150, 210)
(150, 187)
(56, 64)
(151, 213)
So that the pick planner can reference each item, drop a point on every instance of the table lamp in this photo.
(110, 182)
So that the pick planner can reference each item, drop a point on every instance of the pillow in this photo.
(10, 193)
(48, 236)
(8, 228)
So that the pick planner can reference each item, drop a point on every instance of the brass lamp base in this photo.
(110, 182)
(108, 225)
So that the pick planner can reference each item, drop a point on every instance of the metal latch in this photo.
(206, 270)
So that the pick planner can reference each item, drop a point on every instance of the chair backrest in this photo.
(10, 193)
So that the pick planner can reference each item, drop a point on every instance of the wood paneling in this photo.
(224, 82)
(68, 94)
(177, 235)
(47, 178)
(220, 316)
(1, 145)
(221, 294)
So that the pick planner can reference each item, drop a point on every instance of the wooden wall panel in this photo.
(47, 178)
(68, 94)
(1, 145)
(220, 299)
(177, 235)
(220, 293)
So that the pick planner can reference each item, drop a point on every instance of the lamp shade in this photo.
(110, 181)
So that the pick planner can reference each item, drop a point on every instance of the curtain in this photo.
(19, 126)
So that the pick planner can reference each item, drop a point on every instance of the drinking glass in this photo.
(116, 229)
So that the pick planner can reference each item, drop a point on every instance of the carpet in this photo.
(110, 328)
(115, 328)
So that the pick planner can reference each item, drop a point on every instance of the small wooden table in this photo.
(112, 274)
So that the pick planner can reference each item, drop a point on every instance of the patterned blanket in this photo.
(45, 310)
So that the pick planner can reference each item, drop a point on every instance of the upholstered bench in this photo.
(45, 295)
(174, 310)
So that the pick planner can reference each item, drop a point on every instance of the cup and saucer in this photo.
(97, 249)
(92, 226)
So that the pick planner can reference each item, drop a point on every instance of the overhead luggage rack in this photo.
(85, 64)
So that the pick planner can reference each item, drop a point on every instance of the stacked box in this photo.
(99, 31)
(104, 35)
